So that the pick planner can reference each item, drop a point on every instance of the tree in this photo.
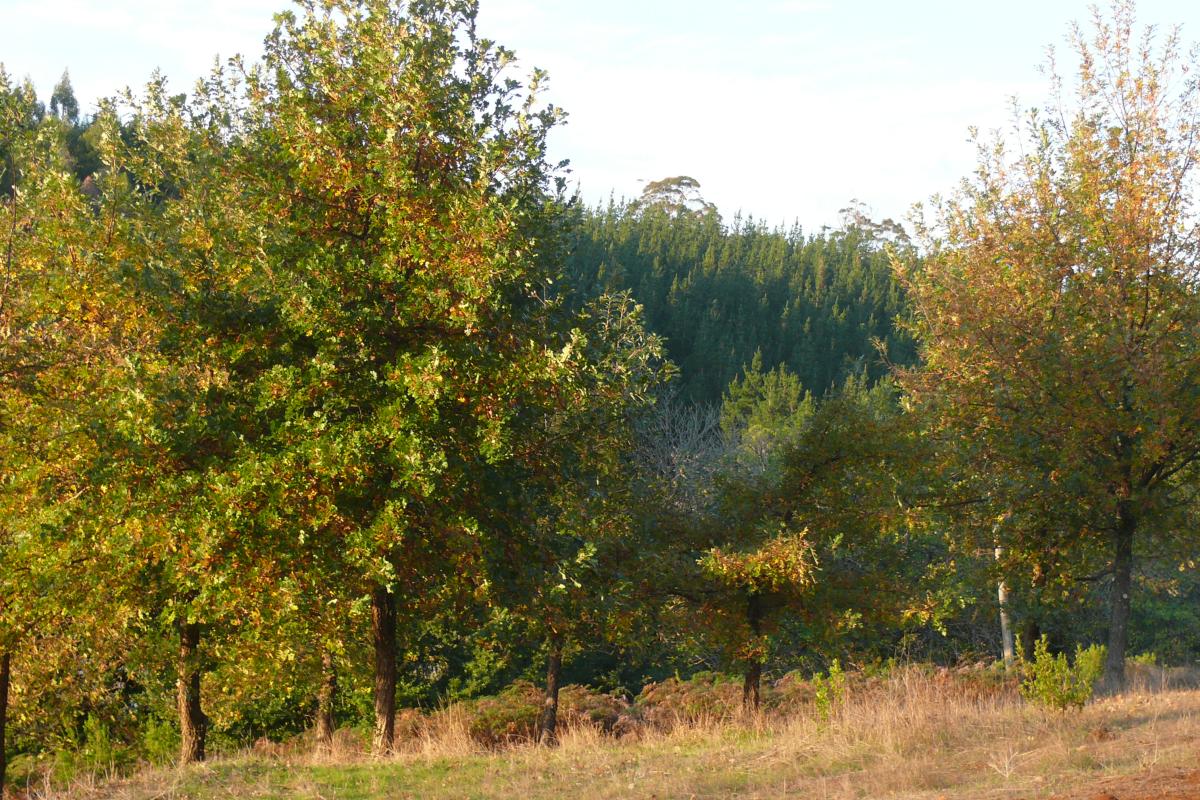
(63, 104)
(1058, 309)
(678, 196)
(565, 499)
(410, 188)
(720, 292)
(60, 350)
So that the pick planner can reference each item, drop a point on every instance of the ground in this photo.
(917, 737)
(1176, 784)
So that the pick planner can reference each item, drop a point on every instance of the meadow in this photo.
(917, 732)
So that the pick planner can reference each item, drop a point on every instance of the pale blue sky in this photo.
(784, 109)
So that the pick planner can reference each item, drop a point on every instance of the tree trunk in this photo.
(1030, 633)
(549, 727)
(752, 682)
(383, 634)
(1118, 630)
(193, 726)
(325, 697)
(5, 666)
(752, 686)
(1006, 632)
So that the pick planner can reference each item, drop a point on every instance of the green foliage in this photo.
(1051, 681)
(829, 689)
(720, 293)
(160, 741)
(94, 753)
(99, 752)
(1144, 659)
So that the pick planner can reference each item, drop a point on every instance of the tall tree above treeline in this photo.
(720, 292)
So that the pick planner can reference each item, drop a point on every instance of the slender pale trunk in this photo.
(5, 666)
(193, 726)
(325, 699)
(752, 678)
(1118, 630)
(383, 634)
(1006, 631)
(548, 734)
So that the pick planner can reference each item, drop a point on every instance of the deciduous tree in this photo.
(1058, 309)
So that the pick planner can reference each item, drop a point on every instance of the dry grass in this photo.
(917, 734)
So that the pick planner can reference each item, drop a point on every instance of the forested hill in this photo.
(719, 291)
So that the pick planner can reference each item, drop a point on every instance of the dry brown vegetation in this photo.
(916, 733)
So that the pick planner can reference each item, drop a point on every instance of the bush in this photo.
(579, 706)
(514, 715)
(160, 741)
(510, 717)
(95, 753)
(706, 696)
(829, 689)
(1049, 680)
(1144, 659)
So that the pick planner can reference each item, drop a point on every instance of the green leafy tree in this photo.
(675, 197)
(814, 534)
(60, 341)
(409, 183)
(566, 497)
(1058, 308)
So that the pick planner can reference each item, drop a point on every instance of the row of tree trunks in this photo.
(193, 724)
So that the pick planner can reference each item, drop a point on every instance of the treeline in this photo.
(824, 305)
(319, 398)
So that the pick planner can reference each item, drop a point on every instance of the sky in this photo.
(783, 110)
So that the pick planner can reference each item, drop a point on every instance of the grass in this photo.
(915, 734)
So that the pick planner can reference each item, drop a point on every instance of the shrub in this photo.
(1144, 659)
(789, 693)
(579, 706)
(95, 752)
(507, 718)
(705, 697)
(829, 689)
(160, 741)
(514, 715)
(1049, 680)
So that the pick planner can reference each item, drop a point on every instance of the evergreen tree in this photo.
(720, 293)
(63, 104)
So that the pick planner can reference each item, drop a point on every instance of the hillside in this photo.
(718, 292)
